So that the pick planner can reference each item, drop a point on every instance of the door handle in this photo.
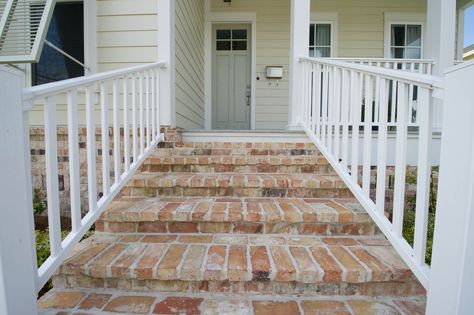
(249, 94)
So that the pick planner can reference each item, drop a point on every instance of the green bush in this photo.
(410, 213)
(39, 204)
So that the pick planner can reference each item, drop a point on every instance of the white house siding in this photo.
(126, 33)
(190, 64)
(273, 48)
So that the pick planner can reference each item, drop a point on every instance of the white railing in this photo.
(423, 66)
(132, 96)
(350, 134)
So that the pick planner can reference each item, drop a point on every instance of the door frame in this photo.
(228, 18)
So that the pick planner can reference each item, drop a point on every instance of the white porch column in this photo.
(18, 270)
(451, 285)
(166, 52)
(440, 44)
(299, 46)
(441, 34)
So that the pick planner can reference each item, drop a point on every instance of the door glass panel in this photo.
(239, 34)
(223, 34)
(239, 45)
(398, 35)
(223, 45)
(311, 52)
(414, 35)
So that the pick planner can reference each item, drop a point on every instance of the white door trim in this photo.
(227, 18)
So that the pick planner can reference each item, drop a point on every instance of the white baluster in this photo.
(126, 127)
(91, 152)
(400, 160)
(74, 163)
(52, 186)
(104, 93)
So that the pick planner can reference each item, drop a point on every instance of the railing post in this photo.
(452, 275)
(18, 270)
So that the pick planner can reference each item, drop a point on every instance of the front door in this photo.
(231, 85)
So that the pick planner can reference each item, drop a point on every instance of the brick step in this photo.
(239, 264)
(235, 149)
(239, 164)
(236, 215)
(125, 302)
(237, 185)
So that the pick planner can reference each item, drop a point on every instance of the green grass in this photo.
(409, 232)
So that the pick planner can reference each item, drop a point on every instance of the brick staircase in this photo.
(235, 228)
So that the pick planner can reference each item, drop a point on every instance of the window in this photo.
(66, 31)
(231, 40)
(405, 41)
(320, 39)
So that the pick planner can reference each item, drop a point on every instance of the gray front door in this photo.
(231, 85)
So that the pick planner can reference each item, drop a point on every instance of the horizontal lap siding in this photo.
(361, 23)
(190, 64)
(126, 33)
(273, 47)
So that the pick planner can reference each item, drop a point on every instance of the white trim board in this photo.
(227, 18)
(403, 18)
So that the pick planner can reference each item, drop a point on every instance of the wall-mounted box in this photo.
(274, 72)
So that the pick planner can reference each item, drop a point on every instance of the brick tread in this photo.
(97, 302)
(239, 164)
(244, 258)
(236, 215)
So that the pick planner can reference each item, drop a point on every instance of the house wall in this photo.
(126, 33)
(360, 34)
(189, 64)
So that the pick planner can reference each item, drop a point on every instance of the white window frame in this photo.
(327, 18)
(403, 18)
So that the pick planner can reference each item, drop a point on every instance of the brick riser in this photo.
(224, 168)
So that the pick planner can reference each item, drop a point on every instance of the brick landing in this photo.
(90, 302)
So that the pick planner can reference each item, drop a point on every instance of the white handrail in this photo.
(335, 115)
(406, 77)
(52, 88)
(423, 66)
(127, 156)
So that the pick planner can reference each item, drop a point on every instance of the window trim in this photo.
(405, 18)
(327, 18)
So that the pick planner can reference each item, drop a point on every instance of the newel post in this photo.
(299, 46)
(18, 270)
(166, 53)
(451, 284)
